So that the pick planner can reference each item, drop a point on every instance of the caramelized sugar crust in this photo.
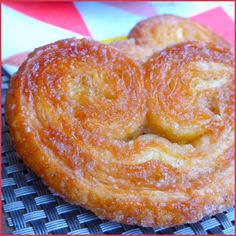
(150, 145)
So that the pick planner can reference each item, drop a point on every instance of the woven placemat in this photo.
(32, 209)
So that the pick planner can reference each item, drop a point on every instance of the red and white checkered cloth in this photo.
(27, 25)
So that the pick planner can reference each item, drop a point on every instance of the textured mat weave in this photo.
(33, 209)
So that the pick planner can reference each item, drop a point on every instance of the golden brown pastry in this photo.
(151, 146)
(156, 33)
(165, 30)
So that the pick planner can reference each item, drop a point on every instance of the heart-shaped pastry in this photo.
(150, 145)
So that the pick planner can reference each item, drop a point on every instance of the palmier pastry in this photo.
(162, 31)
(149, 145)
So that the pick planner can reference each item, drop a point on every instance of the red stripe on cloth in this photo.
(61, 14)
(17, 59)
(139, 8)
(219, 21)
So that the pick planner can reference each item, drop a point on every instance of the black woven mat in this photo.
(32, 209)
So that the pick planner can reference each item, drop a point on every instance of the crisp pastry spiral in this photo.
(83, 116)
(156, 33)
(165, 30)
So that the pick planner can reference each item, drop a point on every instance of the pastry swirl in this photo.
(90, 122)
